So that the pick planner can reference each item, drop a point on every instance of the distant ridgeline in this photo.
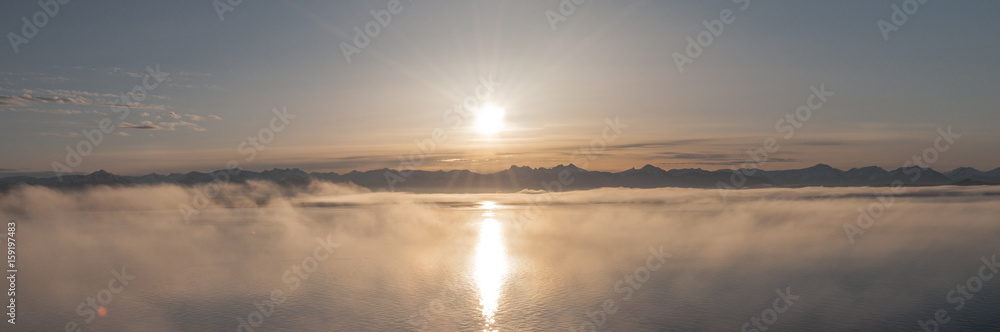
(521, 178)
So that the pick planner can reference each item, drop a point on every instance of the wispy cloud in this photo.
(13, 101)
(25, 99)
(71, 97)
(60, 135)
(146, 124)
(142, 125)
(135, 105)
(178, 124)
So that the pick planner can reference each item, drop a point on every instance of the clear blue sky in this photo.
(607, 59)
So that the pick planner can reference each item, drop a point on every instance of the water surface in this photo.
(607, 260)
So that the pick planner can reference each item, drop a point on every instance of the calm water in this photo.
(607, 260)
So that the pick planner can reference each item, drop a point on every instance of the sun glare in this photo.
(489, 120)
(491, 270)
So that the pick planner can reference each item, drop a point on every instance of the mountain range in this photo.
(521, 178)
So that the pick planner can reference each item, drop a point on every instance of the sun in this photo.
(489, 120)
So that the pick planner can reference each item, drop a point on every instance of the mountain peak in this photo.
(966, 170)
(570, 167)
(966, 173)
(821, 166)
(867, 170)
(100, 173)
(649, 167)
(286, 170)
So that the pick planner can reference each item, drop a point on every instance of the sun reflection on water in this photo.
(491, 265)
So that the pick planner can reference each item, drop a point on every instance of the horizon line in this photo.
(493, 172)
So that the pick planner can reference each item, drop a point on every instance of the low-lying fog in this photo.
(338, 258)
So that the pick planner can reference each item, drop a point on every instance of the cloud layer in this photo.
(399, 252)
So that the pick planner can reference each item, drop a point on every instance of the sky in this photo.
(597, 82)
